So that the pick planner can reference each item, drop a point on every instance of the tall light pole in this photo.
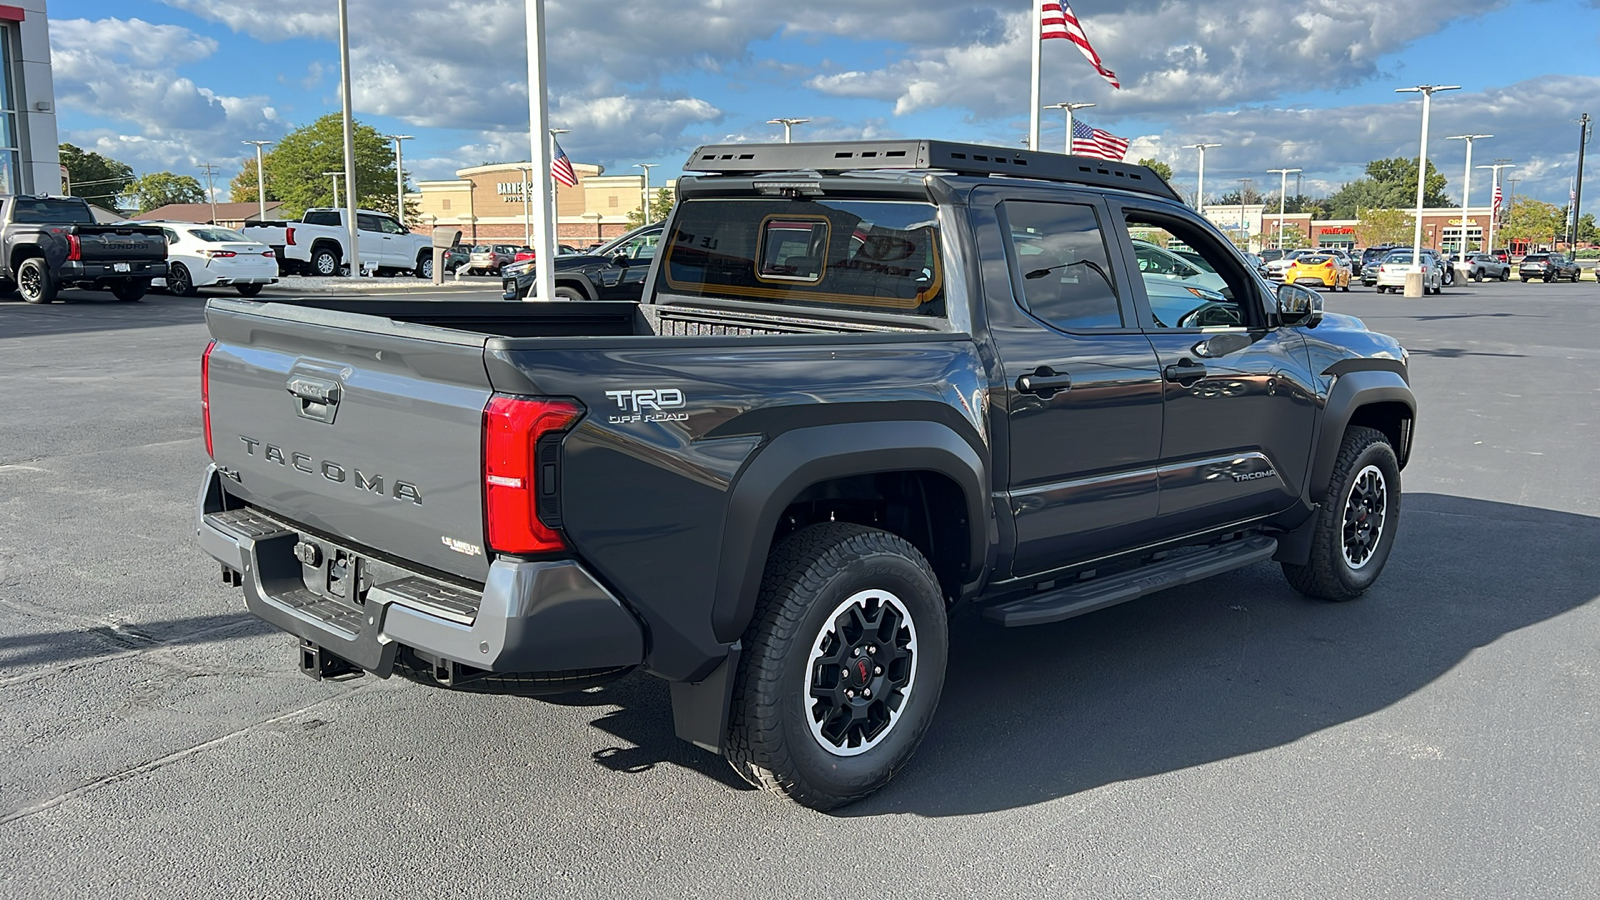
(335, 175)
(542, 153)
(787, 124)
(399, 177)
(1427, 91)
(1577, 185)
(1068, 108)
(1244, 184)
(1200, 191)
(646, 167)
(354, 250)
(1466, 184)
(1283, 195)
(1493, 213)
(261, 177)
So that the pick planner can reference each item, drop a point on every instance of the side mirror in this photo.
(621, 259)
(1299, 306)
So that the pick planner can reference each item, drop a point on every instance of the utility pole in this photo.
(787, 124)
(399, 178)
(1200, 189)
(1068, 108)
(1283, 190)
(1466, 184)
(646, 167)
(1494, 214)
(261, 177)
(1577, 187)
(211, 192)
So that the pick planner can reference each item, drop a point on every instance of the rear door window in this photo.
(879, 255)
(1060, 250)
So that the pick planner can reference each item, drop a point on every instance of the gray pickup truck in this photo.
(48, 243)
(868, 383)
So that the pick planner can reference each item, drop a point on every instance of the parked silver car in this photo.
(1478, 266)
(1393, 269)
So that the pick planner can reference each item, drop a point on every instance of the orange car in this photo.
(1325, 268)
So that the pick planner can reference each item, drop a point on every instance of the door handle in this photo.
(1044, 382)
(315, 398)
(1186, 372)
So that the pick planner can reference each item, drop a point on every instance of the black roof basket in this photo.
(963, 159)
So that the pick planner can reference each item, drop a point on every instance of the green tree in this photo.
(1587, 232)
(1534, 221)
(161, 188)
(1384, 226)
(97, 179)
(660, 205)
(1389, 184)
(1158, 167)
(294, 168)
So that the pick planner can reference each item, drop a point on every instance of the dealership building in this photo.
(1258, 226)
(30, 158)
(490, 205)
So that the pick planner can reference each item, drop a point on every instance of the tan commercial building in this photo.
(488, 204)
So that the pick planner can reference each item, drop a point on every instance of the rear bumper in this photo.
(74, 271)
(538, 616)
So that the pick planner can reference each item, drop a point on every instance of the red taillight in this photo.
(269, 254)
(520, 453)
(289, 236)
(205, 394)
(1328, 264)
(218, 254)
(74, 247)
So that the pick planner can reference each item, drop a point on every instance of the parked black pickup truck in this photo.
(869, 382)
(613, 271)
(47, 243)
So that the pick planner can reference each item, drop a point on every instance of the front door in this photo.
(1082, 389)
(1239, 400)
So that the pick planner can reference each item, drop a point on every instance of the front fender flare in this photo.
(1351, 391)
(797, 459)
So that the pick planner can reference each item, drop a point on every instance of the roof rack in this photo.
(963, 159)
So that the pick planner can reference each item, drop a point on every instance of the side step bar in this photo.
(1088, 596)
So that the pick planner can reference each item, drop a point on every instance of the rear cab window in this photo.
(867, 255)
(44, 211)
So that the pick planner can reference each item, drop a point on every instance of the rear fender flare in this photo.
(796, 460)
(1351, 391)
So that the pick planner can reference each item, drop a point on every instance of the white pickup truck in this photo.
(318, 243)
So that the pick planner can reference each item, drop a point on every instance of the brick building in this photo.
(488, 204)
(1441, 230)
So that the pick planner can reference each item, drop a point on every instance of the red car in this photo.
(528, 252)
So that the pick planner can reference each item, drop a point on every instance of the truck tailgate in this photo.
(355, 426)
(120, 243)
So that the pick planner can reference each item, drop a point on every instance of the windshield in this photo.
(1404, 257)
(39, 211)
(220, 236)
(845, 254)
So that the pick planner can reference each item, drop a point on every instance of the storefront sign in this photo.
(1336, 229)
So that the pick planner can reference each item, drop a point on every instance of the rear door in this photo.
(364, 430)
(1082, 389)
(375, 244)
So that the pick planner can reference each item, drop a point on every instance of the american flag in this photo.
(1059, 22)
(1088, 141)
(561, 168)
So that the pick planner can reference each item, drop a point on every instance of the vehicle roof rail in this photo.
(947, 156)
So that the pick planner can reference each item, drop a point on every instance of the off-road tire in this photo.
(248, 290)
(568, 293)
(809, 576)
(179, 282)
(1328, 575)
(129, 290)
(35, 282)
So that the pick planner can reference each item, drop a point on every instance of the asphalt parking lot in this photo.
(1436, 738)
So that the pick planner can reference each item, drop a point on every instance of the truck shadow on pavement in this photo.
(1193, 675)
(1234, 666)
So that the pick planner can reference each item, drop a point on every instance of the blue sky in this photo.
(169, 84)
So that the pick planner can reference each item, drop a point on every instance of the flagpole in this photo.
(1038, 45)
(544, 244)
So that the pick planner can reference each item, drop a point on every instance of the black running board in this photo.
(1087, 596)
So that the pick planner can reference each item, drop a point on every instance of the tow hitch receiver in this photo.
(320, 664)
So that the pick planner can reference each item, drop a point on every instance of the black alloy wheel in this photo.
(1354, 529)
(180, 282)
(34, 281)
(1364, 512)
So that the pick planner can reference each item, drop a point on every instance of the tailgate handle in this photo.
(315, 398)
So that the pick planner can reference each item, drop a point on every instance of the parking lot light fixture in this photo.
(788, 126)
(1200, 189)
(399, 177)
(1466, 184)
(1069, 107)
(353, 250)
(646, 167)
(1427, 91)
(1283, 194)
(335, 176)
(261, 178)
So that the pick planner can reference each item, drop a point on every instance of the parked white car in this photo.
(1393, 269)
(211, 256)
(1278, 267)
(1158, 262)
